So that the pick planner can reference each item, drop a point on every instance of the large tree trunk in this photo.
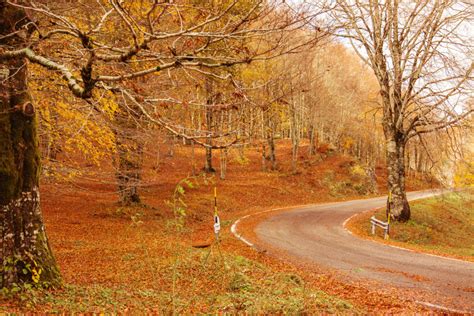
(208, 162)
(397, 203)
(271, 148)
(24, 248)
(130, 157)
(129, 174)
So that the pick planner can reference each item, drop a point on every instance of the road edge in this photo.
(347, 220)
(233, 227)
(234, 231)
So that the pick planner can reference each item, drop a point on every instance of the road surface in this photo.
(316, 234)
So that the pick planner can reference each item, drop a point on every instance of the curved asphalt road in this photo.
(316, 233)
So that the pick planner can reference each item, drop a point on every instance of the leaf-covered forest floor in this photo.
(442, 225)
(117, 259)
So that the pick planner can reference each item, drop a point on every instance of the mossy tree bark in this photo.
(24, 251)
(397, 203)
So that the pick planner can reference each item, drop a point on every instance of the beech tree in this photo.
(24, 245)
(98, 46)
(419, 52)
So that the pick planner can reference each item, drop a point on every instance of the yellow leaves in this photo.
(258, 72)
(348, 143)
(36, 274)
(464, 176)
(358, 170)
(94, 142)
(71, 127)
(107, 102)
(86, 129)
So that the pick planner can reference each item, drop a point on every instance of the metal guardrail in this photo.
(384, 225)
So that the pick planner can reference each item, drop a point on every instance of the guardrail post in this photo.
(384, 225)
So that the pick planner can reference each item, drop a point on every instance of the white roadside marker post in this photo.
(217, 221)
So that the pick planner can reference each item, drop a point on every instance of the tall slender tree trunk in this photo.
(24, 248)
(312, 140)
(193, 159)
(208, 162)
(294, 131)
(209, 125)
(372, 177)
(295, 140)
(271, 148)
(223, 160)
(269, 134)
(419, 163)
(294, 155)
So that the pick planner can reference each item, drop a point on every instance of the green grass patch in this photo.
(442, 224)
